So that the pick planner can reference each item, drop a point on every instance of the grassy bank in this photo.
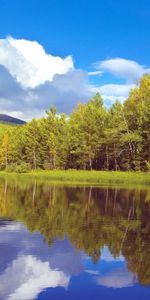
(87, 177)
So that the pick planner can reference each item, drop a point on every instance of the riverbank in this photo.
(87, 177)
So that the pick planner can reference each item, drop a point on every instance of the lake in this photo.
(62, 242)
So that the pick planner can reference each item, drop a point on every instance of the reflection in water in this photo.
(117, 279)
(90, 238)
(32, 265)
(32, 276)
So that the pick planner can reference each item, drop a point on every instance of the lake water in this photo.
(85, 243)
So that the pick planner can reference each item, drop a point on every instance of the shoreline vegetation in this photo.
(80, 177)
(92, 137)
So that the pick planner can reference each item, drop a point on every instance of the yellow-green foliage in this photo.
(5, 127)
(100, 178)
(92, 138)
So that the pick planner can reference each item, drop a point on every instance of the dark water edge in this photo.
(63, 242)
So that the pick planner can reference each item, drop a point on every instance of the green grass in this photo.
(100, 178)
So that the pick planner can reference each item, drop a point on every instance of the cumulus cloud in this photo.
(127, 69)
(29, 276)
(64, 91)
(28, 62)
(31, 80)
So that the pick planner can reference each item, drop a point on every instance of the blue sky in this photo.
(90, 31)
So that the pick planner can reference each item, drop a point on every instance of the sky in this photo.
(63, 52)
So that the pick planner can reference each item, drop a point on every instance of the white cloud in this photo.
(28, 62)
(64, 91)
(112, 92)
(95, 73)
(109, 100)
(16, 240)
(124, 68)
(31, 264)
(118, 278)
(10, 227)
(29, 276)
(116, 89)
(31, 80)
(92, 272)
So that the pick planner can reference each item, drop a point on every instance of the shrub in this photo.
(20, 168)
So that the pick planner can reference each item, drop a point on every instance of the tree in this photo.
(91, 137)
(86, 132)
(6, 150)
(33, 149)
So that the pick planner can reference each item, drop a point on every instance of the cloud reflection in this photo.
(29, 276)
(29, 265)
(119, 278)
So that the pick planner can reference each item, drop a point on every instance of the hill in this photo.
(10, 120)
(8, 123)
(5, 127)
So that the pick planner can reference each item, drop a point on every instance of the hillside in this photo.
(4, 127)
(10, 120)
(8, 123)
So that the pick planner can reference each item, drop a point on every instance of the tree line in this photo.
(92, 137)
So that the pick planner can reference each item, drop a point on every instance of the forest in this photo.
(91, 137)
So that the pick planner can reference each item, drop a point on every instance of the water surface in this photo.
(60, 242)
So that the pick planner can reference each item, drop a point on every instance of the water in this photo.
(73, 242)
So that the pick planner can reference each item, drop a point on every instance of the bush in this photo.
(21, 168)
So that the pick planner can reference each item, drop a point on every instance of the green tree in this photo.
(6, 150)
(33, 149)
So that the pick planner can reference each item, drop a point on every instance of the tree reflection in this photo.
(91, 218)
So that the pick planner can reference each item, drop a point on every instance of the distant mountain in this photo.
(11, 120)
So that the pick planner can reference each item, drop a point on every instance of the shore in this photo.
(86, 177)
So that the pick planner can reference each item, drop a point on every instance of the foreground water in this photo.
(73, 243)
